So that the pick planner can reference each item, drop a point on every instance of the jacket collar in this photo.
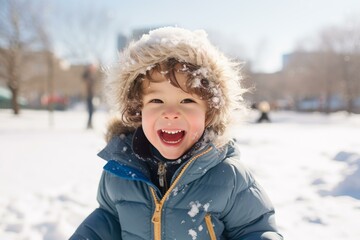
(140, 144)
(132, 151)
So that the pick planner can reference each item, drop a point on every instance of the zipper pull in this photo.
(156, 220)
(156, 215)
(162, 174)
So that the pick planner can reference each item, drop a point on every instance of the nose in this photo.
(170, 114)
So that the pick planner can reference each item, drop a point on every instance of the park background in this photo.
(301, 57)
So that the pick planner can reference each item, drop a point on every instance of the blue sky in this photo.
(259, 30)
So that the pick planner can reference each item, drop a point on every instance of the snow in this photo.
(193, 234)
(309, 164)
(194, 209)
(172, 36)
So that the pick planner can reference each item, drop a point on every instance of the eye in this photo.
(187, 100)
(155, 101)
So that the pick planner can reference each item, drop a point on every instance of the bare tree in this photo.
(340, 46)
(329, 67)
(348, 47)
(46, 44)
(18, 35)
(84, 31)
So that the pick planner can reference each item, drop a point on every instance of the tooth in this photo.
(172, 142)
(171, 132)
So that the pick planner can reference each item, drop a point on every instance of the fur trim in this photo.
(116, 128)
(186, 46)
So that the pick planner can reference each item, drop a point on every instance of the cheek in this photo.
(146, 117)
(147, 112)
(197, 120)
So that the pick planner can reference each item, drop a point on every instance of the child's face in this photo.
(172, 120)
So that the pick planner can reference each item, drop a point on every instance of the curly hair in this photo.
(196, 84)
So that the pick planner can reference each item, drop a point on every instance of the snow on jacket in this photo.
(212, 196)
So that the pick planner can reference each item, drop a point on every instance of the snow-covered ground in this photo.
(308, 163)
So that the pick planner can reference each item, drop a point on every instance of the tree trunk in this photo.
(14, 100)
(348, 87)
(13, 84)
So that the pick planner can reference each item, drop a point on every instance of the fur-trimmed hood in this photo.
(186, 46)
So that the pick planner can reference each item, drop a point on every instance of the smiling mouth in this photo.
(171, 136)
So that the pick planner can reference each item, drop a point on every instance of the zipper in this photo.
(162, 177)
(156, 218)
(210, 226)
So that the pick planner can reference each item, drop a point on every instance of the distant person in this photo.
(89, 77)
(173, 171)
(264, 108)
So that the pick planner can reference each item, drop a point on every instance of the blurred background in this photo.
(301, 60)
(302, 56)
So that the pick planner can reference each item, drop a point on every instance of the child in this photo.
(172, 170)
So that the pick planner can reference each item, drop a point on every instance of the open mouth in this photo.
(171, 136)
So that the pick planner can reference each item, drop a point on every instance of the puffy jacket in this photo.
(212, 196)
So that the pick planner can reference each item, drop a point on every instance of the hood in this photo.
(186, 46)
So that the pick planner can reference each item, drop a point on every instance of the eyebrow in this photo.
(151, 91)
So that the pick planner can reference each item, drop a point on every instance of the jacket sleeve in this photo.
(103, 222)
(99, 225)
(249, 214)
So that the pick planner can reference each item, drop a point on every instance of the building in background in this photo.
(34, 83)
(122, 41)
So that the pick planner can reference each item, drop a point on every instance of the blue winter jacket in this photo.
(212, 196)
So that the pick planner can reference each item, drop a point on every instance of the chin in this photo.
(171, 156)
